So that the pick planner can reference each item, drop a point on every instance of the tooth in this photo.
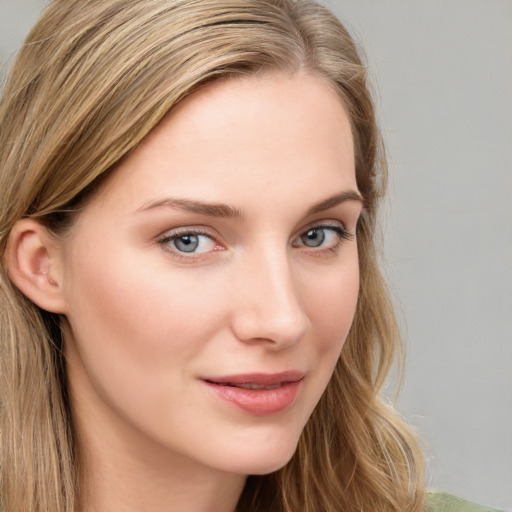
(251, 385)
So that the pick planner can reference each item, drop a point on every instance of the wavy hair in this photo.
(93, 78)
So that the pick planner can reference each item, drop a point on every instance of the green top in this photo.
(444, 502)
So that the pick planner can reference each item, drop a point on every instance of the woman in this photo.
(190, 292)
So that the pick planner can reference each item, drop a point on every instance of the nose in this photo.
(268, 303)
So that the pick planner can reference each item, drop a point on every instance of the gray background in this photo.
(444, 75)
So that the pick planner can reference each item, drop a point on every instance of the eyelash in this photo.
(342, 235)
(340, 232)
(167, 239)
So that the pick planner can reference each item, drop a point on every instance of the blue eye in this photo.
(313, 238)
(328, 237)
(189, 242)
(186, 243)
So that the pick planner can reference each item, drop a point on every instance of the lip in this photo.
(284, 388)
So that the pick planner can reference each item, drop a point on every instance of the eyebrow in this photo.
(226, 211)
(194, 206)
(331, 202)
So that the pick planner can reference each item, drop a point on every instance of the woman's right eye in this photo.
(189, 242)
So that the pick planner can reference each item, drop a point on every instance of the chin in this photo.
(261, 458)
(266, 469)
(260, 467)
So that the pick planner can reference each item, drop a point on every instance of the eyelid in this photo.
(322, 223)
(172, 234)
(336, 226)
(337, 230)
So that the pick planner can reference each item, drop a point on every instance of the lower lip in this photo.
(258, 402)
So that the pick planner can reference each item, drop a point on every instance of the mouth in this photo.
(247, 385)
(258, 394)
(257, 380)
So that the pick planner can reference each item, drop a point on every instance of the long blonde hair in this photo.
(92, 80)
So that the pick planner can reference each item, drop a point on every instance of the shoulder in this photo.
(444, 502)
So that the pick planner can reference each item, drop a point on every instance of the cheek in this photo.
(332, 305)
(132, 321)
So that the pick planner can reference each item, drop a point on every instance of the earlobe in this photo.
(33, 258)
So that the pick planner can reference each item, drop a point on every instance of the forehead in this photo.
(260, 132)
(276, 107)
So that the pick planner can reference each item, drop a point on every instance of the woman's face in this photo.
(210, 284)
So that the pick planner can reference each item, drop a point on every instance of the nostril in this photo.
(268, 306)
(275, 325)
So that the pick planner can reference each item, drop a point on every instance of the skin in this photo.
(145, 321)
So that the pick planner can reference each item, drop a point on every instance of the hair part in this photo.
(92, 80)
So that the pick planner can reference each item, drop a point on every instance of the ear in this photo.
(34, 263)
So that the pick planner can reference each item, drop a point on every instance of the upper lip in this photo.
(264, 379)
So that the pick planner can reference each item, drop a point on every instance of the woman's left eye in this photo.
(189, 242)
(323, 237)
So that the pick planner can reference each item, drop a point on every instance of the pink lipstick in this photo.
(258, 394)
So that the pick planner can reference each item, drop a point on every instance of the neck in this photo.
(120, 476)
(110, 487)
